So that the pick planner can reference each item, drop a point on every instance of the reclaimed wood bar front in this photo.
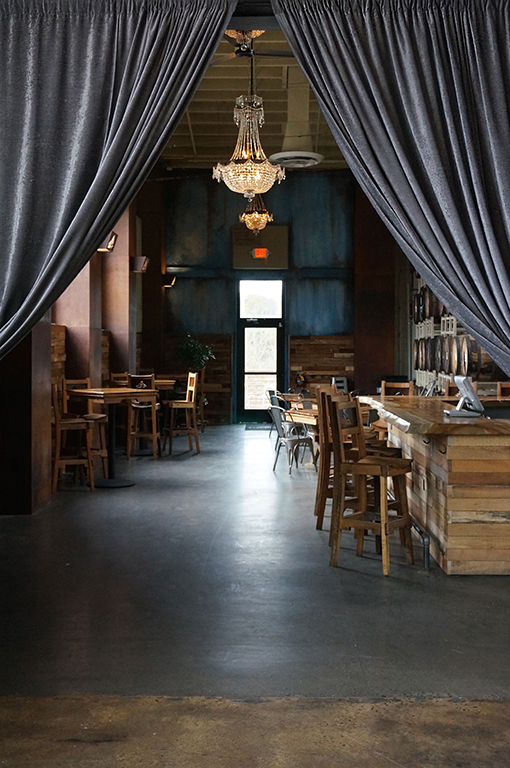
(459, 492)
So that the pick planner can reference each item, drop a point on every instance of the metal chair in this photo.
(289, 437)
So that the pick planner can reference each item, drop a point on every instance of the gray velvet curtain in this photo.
(90, 91)
(416, 93)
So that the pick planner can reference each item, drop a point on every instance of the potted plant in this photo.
(193, 354)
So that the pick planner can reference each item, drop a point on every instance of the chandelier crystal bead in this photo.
(249, 172)
(256, 215)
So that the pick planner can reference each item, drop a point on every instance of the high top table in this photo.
(459, 491)
(111, 396)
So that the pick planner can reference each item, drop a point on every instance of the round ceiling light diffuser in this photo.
(296, 158)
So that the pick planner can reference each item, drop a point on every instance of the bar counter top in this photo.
(425, 415)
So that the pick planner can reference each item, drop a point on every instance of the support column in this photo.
(25, 423)
(79, 309)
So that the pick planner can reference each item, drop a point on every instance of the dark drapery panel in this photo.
(90, 91)
(416, 95)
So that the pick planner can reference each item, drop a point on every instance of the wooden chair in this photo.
(347, 427)
(325, 473)
(98, 419)
(139, 414)
(451, 389)
(390, 388)
(63, 426)
(119, 379)
(189, 407)
(503, 388)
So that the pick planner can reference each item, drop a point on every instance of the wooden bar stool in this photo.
(189, 407)
(143, 417)
(63, 426)
(346, 425)
(99, 420)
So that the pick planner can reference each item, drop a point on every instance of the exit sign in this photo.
(260, 253)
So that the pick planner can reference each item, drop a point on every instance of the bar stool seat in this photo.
(345, 420)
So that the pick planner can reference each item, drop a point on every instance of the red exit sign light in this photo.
(260, 253)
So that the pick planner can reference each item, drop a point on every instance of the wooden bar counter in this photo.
(459, 492)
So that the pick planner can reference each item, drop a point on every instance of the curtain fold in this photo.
(90, 91)
(415, 93)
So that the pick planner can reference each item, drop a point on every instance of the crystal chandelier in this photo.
(256, 215)
(249, 172)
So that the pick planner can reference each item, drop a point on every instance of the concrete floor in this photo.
(208, 579)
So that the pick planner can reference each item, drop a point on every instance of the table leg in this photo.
(111, 481)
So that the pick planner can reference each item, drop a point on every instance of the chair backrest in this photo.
(346, 426)
(340, 383)
(322, 413)
(191, 389)
(68, 384)
(451, 389)
(141, 381)
(397, 388)
(503, 388)
(278, 416)
(119, 379)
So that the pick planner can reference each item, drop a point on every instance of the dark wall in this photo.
(317, 207)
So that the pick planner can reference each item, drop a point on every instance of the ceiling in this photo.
(207, 133)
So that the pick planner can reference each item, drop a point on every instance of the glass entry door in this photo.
(260, 357)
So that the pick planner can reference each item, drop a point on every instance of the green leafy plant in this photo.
(193, 354)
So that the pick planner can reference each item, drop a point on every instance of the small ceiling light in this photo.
(256, 215)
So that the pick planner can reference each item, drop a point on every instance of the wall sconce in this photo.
(109, 244)
(138, 264)
(171, 283)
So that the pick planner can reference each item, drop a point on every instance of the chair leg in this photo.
(171, 430)
(384, 525)
(154, 416)
(102, 448)
(131, 425)
(56, 465)
(400, 488)
(195, 429)
(322, 486)
(276, 457)
(337, 513)
(90, 465)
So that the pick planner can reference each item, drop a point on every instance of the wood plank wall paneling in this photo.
(218, 373)
(58, 353)
(324, 355)
(459, 492)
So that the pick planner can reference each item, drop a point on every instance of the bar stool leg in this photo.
(384, 525)
(337, 513)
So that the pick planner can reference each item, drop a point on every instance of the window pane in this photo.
(255, 386)
(260, 298)
(260, 350)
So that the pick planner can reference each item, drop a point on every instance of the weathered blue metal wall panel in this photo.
(318, 209)
(318, 307)
(201, 306)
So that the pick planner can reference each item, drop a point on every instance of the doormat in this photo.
(249, 427)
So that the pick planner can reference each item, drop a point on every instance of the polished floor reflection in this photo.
(208, 578)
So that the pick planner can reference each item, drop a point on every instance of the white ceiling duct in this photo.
(297, 143)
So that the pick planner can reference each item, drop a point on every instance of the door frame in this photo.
(251, 416)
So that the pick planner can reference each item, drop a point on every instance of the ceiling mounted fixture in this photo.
(249, 172)
(297, 143)
(256, 215)
(242, 40)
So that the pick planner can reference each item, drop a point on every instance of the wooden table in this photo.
(460, 485)
(303, 416)
(112, 396)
